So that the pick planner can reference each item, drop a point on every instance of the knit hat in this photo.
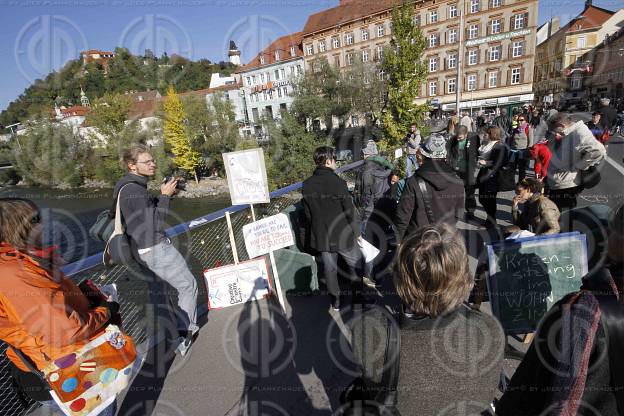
(434, 147)
(370, 149)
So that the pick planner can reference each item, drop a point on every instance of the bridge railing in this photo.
(205, 244)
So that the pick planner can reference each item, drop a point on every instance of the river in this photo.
(67, 215)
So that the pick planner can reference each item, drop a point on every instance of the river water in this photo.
(68, 214)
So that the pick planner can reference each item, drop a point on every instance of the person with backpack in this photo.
(44, 316)
(432, 194)
(463, 153)
(574, 364)
(445, 358)
(144, 218)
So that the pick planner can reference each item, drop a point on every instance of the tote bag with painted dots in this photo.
(86, 381)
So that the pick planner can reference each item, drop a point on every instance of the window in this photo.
(517, 49)
(474, 6)
(365, 53)
(321, 45)
(268, 75)
(277, 55)
(381, 75)
(380, 31)
(580, 42)
(279, 93)
(364, 34)
(433, 64)
(380, 52)
(293, 51)
(285, 89)
(576, 83)
(261, 59)
(309, 50)
(433, 88)
(495, 52)
(248, 79)
(493, 79)
(349, 38)
(417, 20)
(452, 61)
(452, 36)
(262, 78)
(495, 3)
(473, 56)
(433, 16)
(276, 73)
(283, 72)
(337, 60)
(519, 21)
(253, 79)
(496, 26)
(264, 96)
(453, 10)
(451, 85)
(515, 76)
(335, 43)
(473, 31)
(299, 70)
(350, 58)
(472, 82)
(433, 40)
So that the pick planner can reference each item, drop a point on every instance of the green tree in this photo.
(185, 157)
(50, 155)
(406, 73)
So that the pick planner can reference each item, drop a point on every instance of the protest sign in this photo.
(268, 234)
(528, 275)
(237, 283)
(246, 176)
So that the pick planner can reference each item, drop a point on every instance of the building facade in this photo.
(98, 57)
(564, 59)
(268, 80)
(606, 80)
(497, 42)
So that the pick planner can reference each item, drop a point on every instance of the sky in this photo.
(38, 36)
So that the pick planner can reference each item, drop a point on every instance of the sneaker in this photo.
(369, 282)
(184, 346)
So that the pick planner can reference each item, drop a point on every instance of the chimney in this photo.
(588, 3)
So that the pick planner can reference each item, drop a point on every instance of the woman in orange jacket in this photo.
(43, 314)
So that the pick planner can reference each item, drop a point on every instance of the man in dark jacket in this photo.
(332, 221)
(463, 154)
(609, 114)
(443, 197)
(144, 218)
(503, 122)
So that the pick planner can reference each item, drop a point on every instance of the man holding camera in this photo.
(144, 219)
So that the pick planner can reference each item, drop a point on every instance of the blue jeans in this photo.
(52, 408)
(411, 164)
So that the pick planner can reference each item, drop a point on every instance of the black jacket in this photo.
(330, 213)
(143, 215)
(488, 176)
(372, 184)
(446, 193)
(609, 117)
(471, 152)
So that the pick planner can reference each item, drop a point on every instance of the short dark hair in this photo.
(323, 154)
(531, 184)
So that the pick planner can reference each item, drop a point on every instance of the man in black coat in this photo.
(463, 154)
(332, 225)
(443, 196)
(609, 114)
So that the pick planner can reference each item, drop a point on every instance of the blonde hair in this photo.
(16, 221)
(431, 273)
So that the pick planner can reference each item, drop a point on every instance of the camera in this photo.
(180, 186)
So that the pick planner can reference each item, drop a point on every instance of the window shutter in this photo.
(526, 19)
(511, 22)
(521, 75)
(488, 27)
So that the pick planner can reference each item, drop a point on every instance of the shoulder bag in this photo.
(118, 249)
(424, 194)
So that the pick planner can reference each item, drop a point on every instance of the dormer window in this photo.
(292, 51)
(277, 55)
(261, 59)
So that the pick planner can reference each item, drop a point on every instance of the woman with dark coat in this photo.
(463, 154)
(492, 156)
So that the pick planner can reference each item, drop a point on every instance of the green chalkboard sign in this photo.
(527, 276)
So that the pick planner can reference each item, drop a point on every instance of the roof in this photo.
(96, 51)
(205, 91)
(344, 13)
(283, 45)
(75, 110)
(591, 17)
(144, 95)
(143, 109)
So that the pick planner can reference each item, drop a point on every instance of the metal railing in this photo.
(205, 244)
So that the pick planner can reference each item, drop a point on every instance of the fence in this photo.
(204, 242)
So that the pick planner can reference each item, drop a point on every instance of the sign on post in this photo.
(268, 234)
(237, 283)
(246, 176)
(528, 275)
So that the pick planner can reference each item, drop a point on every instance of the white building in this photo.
(268, 80)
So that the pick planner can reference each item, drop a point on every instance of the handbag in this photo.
(88, 380)
(590, 177)
(118, 250)
(105, 222)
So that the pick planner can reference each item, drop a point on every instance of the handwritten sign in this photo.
(238, 283)
(246, 176)
(527, 276)
(268, 234)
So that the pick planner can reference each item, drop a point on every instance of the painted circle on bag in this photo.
(66, 361)
(78, 405)
(54, 377)
(70, 385)
(108, 376)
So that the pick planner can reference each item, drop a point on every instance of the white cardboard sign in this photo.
(268, 234)
(246, 176)
(237, 283)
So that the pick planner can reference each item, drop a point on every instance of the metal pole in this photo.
(460, 56)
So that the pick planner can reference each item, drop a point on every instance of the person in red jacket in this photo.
(541, 154)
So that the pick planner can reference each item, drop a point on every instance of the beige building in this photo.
(563, 59)
(498, 43)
